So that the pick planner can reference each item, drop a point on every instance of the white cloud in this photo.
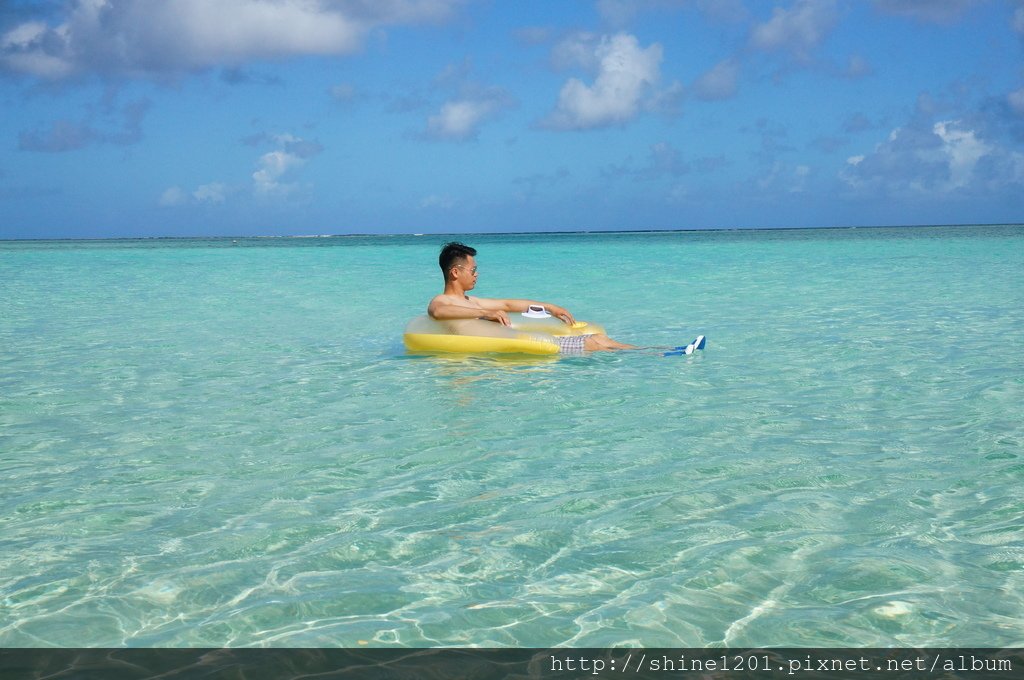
(23, 34)
(172, 196)
(460, 119)
(214, 192)
(210, 193)
(943, 158)
(272, 167)
(467, 106)
(140, 37)
(797, 30)
(625, 72)
(719, 82)
(296, 146)
(963, 149)
(20, 51)
(1018, 20)
(579, 49)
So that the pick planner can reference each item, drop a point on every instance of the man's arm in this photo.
(443, 308)
(493, 309)
(522, 305)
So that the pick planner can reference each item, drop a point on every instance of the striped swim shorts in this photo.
(571, 344)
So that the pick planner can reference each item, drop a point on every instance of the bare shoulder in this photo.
(444, 299)
(441, 299)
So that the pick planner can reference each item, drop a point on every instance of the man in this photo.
(458, 264)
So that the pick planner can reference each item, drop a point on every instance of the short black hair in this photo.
(450, 255)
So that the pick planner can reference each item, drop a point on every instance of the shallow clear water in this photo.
(209, 443)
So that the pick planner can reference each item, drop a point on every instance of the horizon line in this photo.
(511, 233)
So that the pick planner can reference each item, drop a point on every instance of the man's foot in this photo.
(698, 343)
(680, 351)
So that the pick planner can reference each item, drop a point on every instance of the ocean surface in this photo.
(223, 442)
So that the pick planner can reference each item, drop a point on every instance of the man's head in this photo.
(457, 260)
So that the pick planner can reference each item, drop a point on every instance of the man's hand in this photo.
(562, 313)
(497, 315)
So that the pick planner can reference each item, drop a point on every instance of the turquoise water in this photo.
(217, 442)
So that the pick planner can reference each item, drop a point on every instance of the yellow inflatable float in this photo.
(531, 332)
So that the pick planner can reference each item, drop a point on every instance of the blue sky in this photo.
(278, 117)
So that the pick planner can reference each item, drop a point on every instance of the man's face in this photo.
(465, 273)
